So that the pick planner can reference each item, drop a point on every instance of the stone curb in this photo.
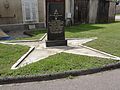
(104, 53)
(22, 58)
(41, 39)
(33, 78)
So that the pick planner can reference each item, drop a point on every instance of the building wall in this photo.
(102, 12)
(42, 10)
(106, 11)
(81, 11)
(72, 10)
(93, 11)
(118, 9)
(14, 15)
(69, 9)
(10, 12)
(68, 13)
(112, 12)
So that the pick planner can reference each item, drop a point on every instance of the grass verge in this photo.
(9, 54)
(108, 36)
(108, 41)
(59, 63)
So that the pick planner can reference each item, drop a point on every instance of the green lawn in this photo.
(108, 41)
(59, 63)
(108, 36)
(9, 54)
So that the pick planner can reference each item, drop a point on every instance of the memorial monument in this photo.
(55, 23)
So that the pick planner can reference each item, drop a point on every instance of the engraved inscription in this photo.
(56, 14)
(56, 26)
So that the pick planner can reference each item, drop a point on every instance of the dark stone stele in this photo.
(55, 23)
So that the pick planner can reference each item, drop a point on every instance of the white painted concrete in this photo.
(22, 58)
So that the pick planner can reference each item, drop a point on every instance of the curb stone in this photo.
(46, 77)
(104, 53)
(41, 39)
(22, 58)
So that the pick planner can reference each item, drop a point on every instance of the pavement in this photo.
(109, 80)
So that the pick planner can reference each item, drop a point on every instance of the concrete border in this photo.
(22, 58)
(46, 77)
(41, 39)
(104, 53)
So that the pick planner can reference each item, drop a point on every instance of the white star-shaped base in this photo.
(75, 46)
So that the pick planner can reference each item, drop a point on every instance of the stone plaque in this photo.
(55, 23)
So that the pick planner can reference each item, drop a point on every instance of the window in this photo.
(30, 10)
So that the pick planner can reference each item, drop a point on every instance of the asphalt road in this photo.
(109, 80)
